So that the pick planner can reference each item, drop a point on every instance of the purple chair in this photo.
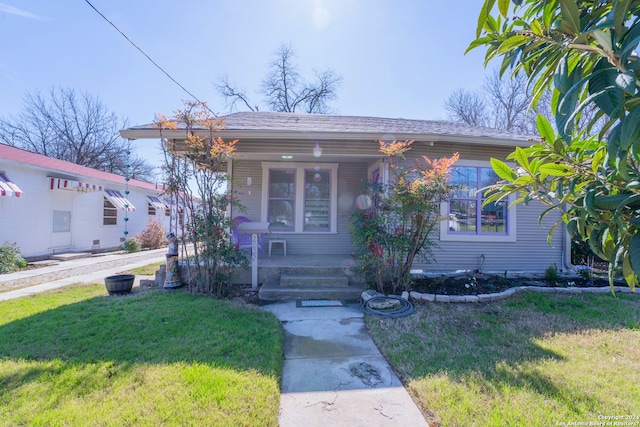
(243, 240)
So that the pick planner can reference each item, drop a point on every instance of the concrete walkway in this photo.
(83, 270)
(333, 373)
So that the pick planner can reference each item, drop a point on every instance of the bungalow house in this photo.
(303, 173)
(49, 206)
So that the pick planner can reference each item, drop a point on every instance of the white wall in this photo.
(28, 219)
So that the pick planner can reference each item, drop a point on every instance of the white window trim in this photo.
(510, 237)
(300, 167)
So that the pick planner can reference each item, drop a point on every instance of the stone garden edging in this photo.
(500, 296)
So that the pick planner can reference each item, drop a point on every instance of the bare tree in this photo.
(505, 103)
(284, 90)
(467, 107)
(502, 103)
(74, 127)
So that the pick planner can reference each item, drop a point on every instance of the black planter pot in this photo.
(119, 284)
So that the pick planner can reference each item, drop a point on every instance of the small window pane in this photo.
(281, 184)
(494, 218)
(316, 184)
(316, 215)
(467, 179)
(462, 216)
(488, 177)
(281, 215)
(61, 221)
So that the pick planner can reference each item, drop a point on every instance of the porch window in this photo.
(466, 218)
(300, 197)
(281, 205)
(317, 200)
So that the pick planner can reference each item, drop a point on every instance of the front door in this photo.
(61, 220)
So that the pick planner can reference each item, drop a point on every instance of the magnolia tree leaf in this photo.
(553, 169)
(603, 81)
(627, 82)
(545, 129)
(570, 15)
(503, 7)
(503, 170)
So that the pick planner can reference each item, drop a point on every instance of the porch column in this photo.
(254, 228)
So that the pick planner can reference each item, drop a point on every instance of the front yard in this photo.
(537, 359)
(79, 357)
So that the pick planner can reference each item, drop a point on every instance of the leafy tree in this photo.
(586, 52)
(396, 224)
(196, 179)
(76, 127)
(283, 88)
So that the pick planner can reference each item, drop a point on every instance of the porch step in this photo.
(323, 280)
(274, 291)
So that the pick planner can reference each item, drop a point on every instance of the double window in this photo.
(467, 218)
(300, 197)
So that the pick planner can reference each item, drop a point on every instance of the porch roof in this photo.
(271, 125)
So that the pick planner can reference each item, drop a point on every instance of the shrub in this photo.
(10, 258)
(551, 273)
(396, 223)
(131, 245)
(153, 236)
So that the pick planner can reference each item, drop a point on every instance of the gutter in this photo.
(566, 250)
(267, 134)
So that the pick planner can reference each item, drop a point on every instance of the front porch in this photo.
(298, 277)
(307, 277)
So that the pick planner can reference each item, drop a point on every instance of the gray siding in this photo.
(530, 252)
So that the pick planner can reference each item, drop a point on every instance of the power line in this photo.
(148, 57)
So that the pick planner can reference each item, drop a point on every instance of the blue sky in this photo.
(397, 58)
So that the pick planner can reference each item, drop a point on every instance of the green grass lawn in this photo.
(534, 360)
(145, 270)
(79, 357)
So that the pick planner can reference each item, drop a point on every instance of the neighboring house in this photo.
(303, 173)
(49, 206)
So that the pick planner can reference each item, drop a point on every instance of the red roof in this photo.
(17, 155)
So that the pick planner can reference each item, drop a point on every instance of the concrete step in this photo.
(71, 255)
(323, 280)
(274, 291)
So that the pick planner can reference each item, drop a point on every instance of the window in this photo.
(300, 197)
(110, 213)
(317, 201)
(155, 205)
(281, 205)
(61, 221)
(466, 217)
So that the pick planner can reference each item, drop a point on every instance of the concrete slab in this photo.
(382, 407)
(318, 338)
(337, 374)
(334, 374)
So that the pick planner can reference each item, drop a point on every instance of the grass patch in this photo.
(537, 359)
(79, 357)
(145, 270)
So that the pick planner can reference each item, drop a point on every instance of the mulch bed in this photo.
(481, 283)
